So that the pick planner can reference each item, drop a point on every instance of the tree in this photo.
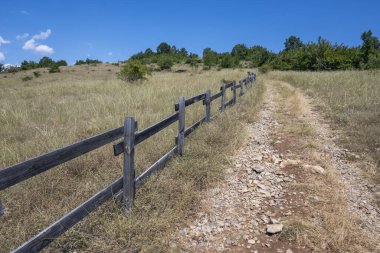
(240, 51)
(165, 62)
(26, 65)
(293, 43)
(183, 52)
(370, 49)
(61, 63)
(148, 52)
(54, 68)
(210, 58)
(45, 62)
(259, 55)
(163, 48)
(193, 60)
(133, 71)
(227, 61)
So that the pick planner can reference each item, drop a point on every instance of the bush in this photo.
(133, 71)
(36, 74)
(264, 69)
(54, 69)
(165, 62)
(26, 78)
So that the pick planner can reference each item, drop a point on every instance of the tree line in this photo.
(296, 55)
(46, 62)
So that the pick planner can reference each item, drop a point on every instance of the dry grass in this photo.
(327, 226)
(351, 99)
(57, 109)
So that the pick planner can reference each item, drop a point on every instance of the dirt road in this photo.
(289, 189)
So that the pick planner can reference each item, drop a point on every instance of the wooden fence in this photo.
(124, 187)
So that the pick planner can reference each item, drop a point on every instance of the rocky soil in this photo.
(247, 212)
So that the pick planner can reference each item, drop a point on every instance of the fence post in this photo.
(234, 91)
(1, 209)
(223, 97)
(129, 162)
(208, 105)
(181, 126)
(241, 88)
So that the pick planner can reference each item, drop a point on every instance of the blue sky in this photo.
(114, 30)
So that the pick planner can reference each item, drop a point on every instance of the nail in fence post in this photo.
(208, 105)
(234, 91)
(129, 162)
(181, 126)
(241, 88)
(223, 97)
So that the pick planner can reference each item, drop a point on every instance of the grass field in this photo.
(352, 100)
(57, 109)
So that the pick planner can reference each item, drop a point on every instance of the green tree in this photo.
(26, 65)
(163, 48)
(54, 68)
(370, 49)
(193, 60)
(61, 63)
(227, 61)
(148, 52)
(165, 62)
(46, 62)
(210, 58)
(293, 43)
(240, 51)
(258, 55)
(183, 52)
(133, 71)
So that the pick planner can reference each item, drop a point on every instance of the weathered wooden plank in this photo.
(231, 102)
(1, 209)
(181, 126)
(45, 237)
(208, 105)
(191, 128)
(228, 85)
(156, 166)
(118, 148)
(129, 163)
(215, 96)
(27, 169)
(191, 101)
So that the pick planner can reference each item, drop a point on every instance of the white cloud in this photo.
(3, 41)
(110, 54)
(33, 45)
(44, 49)
(2, 57)
(24, 12)
(22, 36)
(42, 35)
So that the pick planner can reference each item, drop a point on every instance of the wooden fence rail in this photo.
(123, 188)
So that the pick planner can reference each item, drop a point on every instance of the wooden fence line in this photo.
(124, 187)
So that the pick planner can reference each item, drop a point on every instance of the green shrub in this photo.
(26, 78)
(133, 71)
(264, 69)
(165, 62)
(36, 74)
(54, 69)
